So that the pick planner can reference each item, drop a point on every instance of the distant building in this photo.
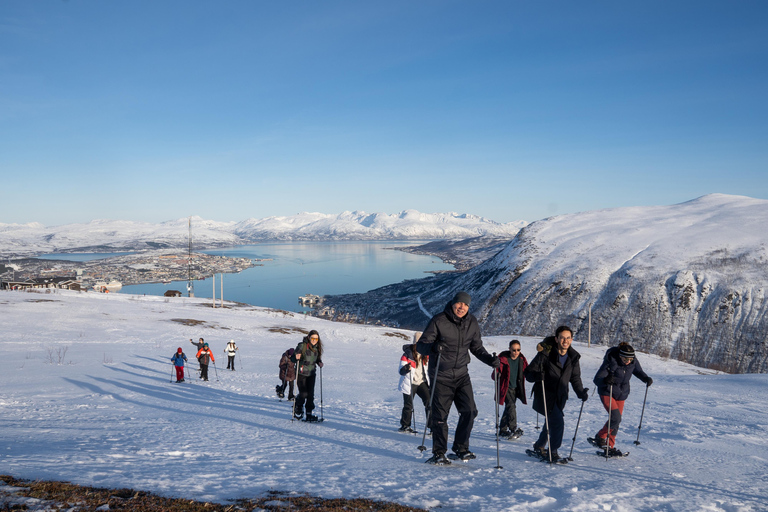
(172, 293)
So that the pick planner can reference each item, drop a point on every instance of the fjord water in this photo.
(292, 269)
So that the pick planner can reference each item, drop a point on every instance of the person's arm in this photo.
(426, 344)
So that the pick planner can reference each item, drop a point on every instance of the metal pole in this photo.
(570, 455)
(214, 290)
(546, 420)
(221, 281)
(637, 442)
(610, 403)
(496, 397)
(431, 396)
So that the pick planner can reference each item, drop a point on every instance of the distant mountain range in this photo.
(688, 281)
(121, 235)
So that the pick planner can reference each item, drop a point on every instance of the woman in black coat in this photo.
(612, 381)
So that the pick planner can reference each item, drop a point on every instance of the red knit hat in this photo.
(179, 351)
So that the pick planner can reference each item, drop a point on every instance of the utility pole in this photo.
(214, 289)
(190, 284)
(589, 328)
(221, 280)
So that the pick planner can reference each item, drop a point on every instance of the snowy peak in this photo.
(108, 235)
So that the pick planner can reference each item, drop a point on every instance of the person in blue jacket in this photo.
(178, 361)
(612, 381)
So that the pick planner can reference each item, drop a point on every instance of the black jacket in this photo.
(621, 374)
(459, 336)
(556, 378)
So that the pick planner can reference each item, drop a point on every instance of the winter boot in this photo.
(438, 459)
(505, 432)
(311, 417)
(465, 455)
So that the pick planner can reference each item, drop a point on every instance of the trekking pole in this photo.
(321, 394)
(216, 371)
(293, 405)
(570, 455)
(496, 399)
(637, 442)
(173, 369)
(537, 421)
(431, 397)
(413, 414)
(546, 420)
(610, 403)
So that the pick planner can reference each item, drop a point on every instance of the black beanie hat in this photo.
(462, 297)
(626, 350)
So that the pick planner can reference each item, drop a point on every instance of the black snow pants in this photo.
(452, 387)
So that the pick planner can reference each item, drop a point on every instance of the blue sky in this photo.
(510, 109)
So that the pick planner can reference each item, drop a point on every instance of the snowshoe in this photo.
(298, 414)
(438, 459)
(612, 452)
(543, 455)
(462, 456)
(312, 418)
(407, 430)
(517, 434)
(505, 433)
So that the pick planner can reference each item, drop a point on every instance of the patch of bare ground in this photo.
(288, 330)
(397, 335)
(191, 322)
(41, 300)
(66, 496)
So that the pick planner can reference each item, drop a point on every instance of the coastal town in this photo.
(111, 273)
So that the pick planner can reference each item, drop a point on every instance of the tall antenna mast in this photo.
(190, 284)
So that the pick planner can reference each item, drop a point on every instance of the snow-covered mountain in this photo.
(688, 281)
(86, 398)
(109, 235)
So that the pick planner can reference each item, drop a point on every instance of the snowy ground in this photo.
(86, 398)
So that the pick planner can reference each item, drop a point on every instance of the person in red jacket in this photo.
(511, 387)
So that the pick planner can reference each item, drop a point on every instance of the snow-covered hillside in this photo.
(86, 398)
(689, 281)
(111, 235)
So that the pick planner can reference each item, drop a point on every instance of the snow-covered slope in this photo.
(109, 235)
(687, 281)
(86, 398)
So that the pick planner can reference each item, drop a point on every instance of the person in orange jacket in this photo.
(205, 356)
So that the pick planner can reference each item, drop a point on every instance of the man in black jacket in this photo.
(555, 368)
(448, 339)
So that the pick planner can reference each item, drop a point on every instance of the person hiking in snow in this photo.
(308, 354)
(555, 369)
(231, 349)
(612, 381)
(205, 357)
(413, 381)
(287, 374)
(178, 361)
(511, 387)
(449, 338)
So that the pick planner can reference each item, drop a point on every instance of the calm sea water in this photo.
(299, 268)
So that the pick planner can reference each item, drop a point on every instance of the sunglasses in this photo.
(514, 350)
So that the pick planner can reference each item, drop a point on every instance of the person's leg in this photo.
(301, 396)
(407, 414)
(616, 412)
(311, 393)
(423, 392)
(441, 406)
(290, 390)
(556, 428)
(464, 399)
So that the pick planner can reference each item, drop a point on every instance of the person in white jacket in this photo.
(231, 350)
(413, 381)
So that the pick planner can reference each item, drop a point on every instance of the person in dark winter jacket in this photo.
(178, 361)
(511, 387)
(308, 355)
(612, 381)
(287, 374)
(448, 339)
(205, 357)
(551, 371)
(413, 381)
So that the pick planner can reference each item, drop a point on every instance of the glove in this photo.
(584, 395)
(438, 347)
(495, 363)
(649, 382)
(534, 376)
(609, 380)
(320, 364)
(405, 369)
